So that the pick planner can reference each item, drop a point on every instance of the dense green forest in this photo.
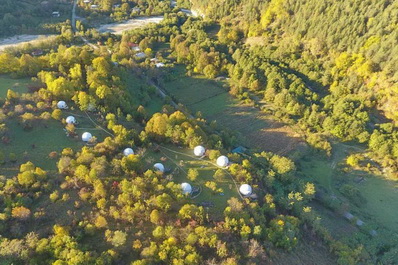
(32, 17)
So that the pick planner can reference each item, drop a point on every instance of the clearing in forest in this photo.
(44, 137)
(214, 102)
(19, 85)
(178, 161)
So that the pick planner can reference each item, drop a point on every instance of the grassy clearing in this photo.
(211, 99)
(184, 160)
(18, 85)
(193, 90)
(45, 137)
(381, 206)
(382, 201)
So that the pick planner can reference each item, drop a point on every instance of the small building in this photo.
(159, 65)
(140, 55)
(239, 150)
(37, 52)
(56, 14)
(222, 161)
(128, 151)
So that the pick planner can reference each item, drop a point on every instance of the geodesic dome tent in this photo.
(70, 120)
(128, 151)
(86, 136)
(186, 188)
(62, 105)
(199, 150)
(159, 167)
(222, 161)
(245, 189)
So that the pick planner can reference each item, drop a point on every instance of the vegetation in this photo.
(266, 70)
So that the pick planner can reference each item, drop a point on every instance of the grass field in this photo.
(184, 160)
(45, 137)
(214, 102)
(381, 207)
(382, 201)
(18, 85)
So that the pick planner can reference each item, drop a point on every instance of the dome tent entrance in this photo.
(222, 161)
(245, 189)
(199, 150)
(159, 167)
(86, 136)
(186, 188)
(128, 151)
(70, 120)
(62, 105)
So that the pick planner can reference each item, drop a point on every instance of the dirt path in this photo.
(119, 28)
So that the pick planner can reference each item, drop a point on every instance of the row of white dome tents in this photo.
(223, 161)
(86, 136)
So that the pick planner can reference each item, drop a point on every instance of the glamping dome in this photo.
(186, 188)
(222, 161)
(199, 150)
(70, 120)
(62, 105)
(159, 167)
(86, 136)
(245, 189)
(128, 151)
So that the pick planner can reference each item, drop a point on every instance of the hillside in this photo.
(260, 132)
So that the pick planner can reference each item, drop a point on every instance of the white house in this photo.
(140, 55)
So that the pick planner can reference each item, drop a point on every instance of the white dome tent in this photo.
(186, 188)
(86, 136)
(62, 105)
(70, 120)
(245, 189)
(222, 161)
(199, 150)
(128, 151)
(159, 167)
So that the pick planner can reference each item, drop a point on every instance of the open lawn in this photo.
(18, 85)
(256, 130)
(381, 207)
(45, 137)
(180, 160)
(381, 201)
